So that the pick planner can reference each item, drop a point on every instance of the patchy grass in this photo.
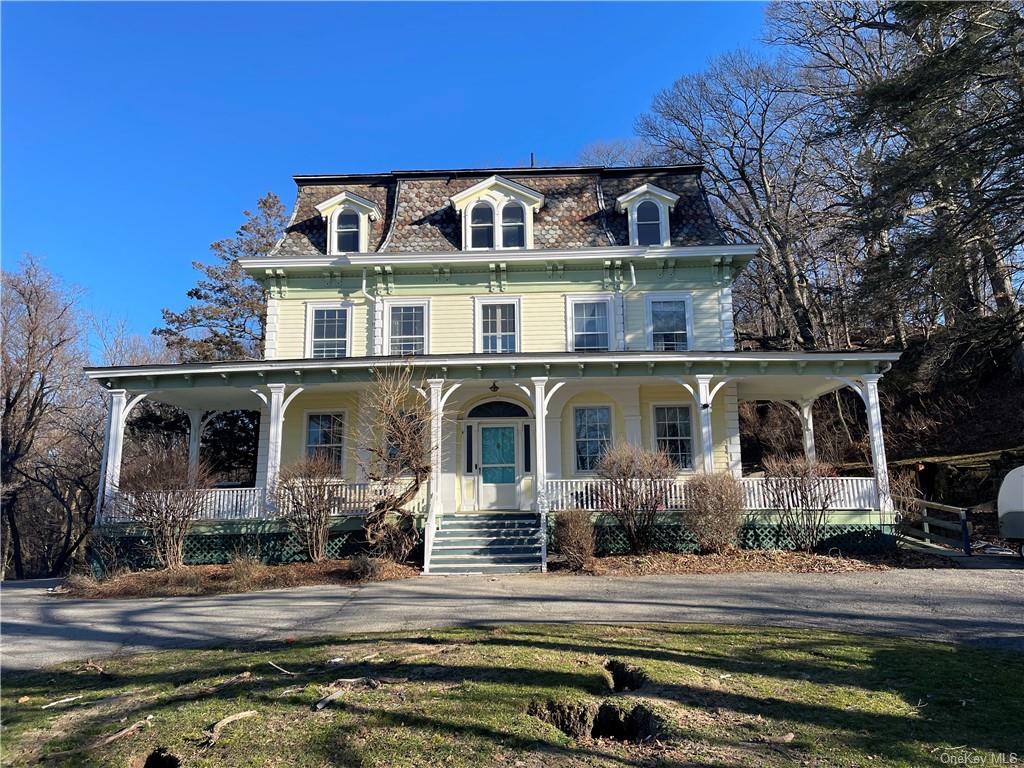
(755, 561)
(532, 696)
(241, 575)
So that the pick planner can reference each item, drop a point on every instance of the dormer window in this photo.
(648, 208)
(346, 231)
(513, 226)
(498, 214)
(648, 224)
(481, 226)
(348, 218)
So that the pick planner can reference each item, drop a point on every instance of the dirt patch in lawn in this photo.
(754, 560)
(222, 579)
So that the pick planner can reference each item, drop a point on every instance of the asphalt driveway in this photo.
(979, 607)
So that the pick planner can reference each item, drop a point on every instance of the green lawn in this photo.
(477, 697)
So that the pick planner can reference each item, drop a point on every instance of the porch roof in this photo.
(759, 375)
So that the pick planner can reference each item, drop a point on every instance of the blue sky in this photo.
(134, 135)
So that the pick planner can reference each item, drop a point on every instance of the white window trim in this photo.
(695, 445)
(499, 234)
(611, 434)
(342, 470)
(311, 306)
(468, 224)
(663, 198)
(572, 299)
(478, 319)
(332, 230)
(396, 301)
(650, 298)
(499, 192)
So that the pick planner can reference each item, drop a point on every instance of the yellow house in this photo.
(550, 311)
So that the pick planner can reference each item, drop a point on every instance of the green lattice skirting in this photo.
(671, 536)
(270, 541)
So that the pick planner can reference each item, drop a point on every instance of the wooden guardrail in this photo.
(928, 519)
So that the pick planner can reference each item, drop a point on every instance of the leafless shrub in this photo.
(305, 494)
(574, 537)
(245, 571)
(394, 441)
(801, 492)
(164, 496)
(366, 568)
(905, 491)
(714, 510)
(636, 491)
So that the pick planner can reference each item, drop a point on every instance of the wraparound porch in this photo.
(511, 431)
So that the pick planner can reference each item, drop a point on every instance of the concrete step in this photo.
(469, 540)
(486, 550)
(478, 570)
(486, 523)
(493, 559)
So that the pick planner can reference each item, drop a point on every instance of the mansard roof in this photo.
(578, 210)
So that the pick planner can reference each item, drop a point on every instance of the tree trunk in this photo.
(15, 537)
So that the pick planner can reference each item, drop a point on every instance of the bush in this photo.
(305, 495)
(636, 491)
(366, 568)
(799, 489)
(714, 510)
(574, 537)
(163, 495)
(245, 571)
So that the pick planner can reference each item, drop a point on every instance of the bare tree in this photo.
(744, 120)
(618, 153)
(394, 451)
(164, 495)
(306, 493)
(802, 491)
(636, 491)
(42, 355)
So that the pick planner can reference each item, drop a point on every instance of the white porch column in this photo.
(275, 405)
(195, 436)
(807, 429)
(113, 442)
(436, 386)
(707, 445)
(540, 459)
(871, 403)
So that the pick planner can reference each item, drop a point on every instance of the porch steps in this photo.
(486, 542)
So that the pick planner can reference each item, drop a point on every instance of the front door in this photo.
(498, 476)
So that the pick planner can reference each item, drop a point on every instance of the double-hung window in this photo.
(668, 323)
(593, 435)
(327, 330)
(590, 324)
(407, 328)
(673, 434)
(325, 436)
(498, 326)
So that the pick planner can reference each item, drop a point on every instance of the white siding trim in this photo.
(273, 325)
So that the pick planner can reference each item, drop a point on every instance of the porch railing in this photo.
(846, 493)
(224, 504)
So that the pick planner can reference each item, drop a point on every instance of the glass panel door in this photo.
(498, 487)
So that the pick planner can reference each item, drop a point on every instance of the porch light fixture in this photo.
(494, 386)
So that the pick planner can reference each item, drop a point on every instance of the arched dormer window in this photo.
(481, 225)
(648, 223)
(497, 213)
(648, 208)
(346, 231)
(513, 226)
(347, 217)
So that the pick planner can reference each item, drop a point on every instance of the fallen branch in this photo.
(239, 678)
(288, 691)
(214, 733)
(58, 702)
(784, 739)
(90, 664)
(129, 731)
(342, 684)
(282, 670)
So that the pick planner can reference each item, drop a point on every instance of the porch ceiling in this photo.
(760, 375)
